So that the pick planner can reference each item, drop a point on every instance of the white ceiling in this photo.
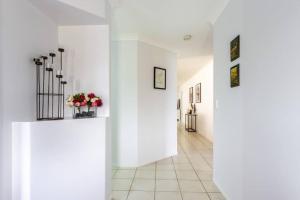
(165, 22)
(67, 12)
(188, 67)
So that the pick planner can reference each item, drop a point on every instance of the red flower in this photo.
(91, 95)
(99, 102)
(91, 100)
(82, 98)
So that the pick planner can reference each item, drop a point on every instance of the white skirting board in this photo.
(61, 160)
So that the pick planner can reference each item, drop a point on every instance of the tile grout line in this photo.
(204, 158)
(188, 147)
(155, 181)
(177, 179)
(195, 136)
(197, 174)
(199, 154)
(131, 184)
(190, 142)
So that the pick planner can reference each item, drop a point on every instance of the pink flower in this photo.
(83, 103)
(97, 103)
(77, 104)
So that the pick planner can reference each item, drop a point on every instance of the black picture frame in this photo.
(178, 104)
(159, 82)
(235, 48)
(191, 95)
(235, 76)
(198, 91)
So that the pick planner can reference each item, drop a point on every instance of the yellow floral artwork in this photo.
(235, 48)
(235, 76)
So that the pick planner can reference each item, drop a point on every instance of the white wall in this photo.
(142, 116)
(157, 130)
(25, 33)
(124, 102)
(2, 149)
(87, 61)
(272, 73)
(228, 116)
(257, 124)
(204, 109)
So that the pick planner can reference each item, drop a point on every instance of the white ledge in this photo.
(65, 159)
(65, 119)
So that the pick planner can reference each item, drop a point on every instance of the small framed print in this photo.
(191, 94)
(235, 48)
(160, 78)
(198, 93)
(235, 76)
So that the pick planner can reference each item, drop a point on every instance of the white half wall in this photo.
(205, 109)
(144, 119)
(58, 160)
(87, 61)
(25, 32)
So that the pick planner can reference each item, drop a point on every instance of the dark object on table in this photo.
(45, 93)
(84, 114)
(190, 122)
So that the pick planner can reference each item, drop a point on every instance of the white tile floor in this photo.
(187, 176)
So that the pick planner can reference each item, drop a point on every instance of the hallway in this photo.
(187, 176)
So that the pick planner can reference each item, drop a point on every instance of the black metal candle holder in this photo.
(45, 92)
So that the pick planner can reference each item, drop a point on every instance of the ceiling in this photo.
(67, 12)
(165, 22)
(193, 65)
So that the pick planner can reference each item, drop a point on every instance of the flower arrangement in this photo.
(81, 100)
(77, 100)
(93, 101)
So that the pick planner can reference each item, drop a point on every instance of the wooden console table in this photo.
(190, 119)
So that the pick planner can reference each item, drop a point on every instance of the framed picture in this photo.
(198, 93)
(160, 78)
(191, 94)
(235, 48)
(235, 76)
(178, 104)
